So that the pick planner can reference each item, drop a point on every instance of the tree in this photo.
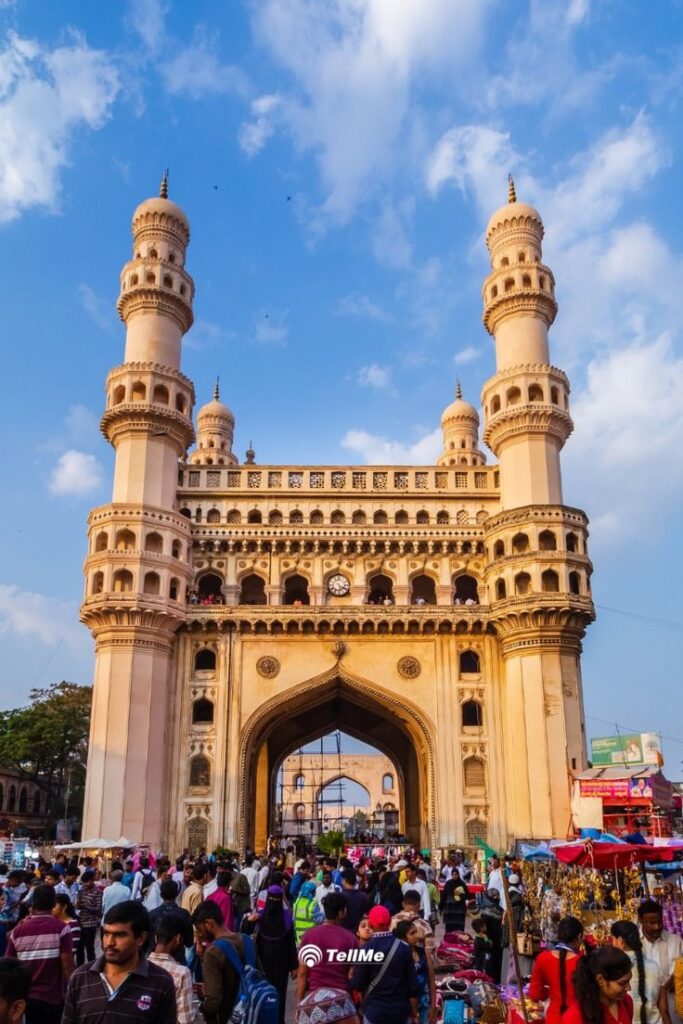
(331, 842)
(47, 742)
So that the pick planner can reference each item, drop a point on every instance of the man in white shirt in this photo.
(659, 945)
(416, 884)
(495, 879)
(115, 893)
(325, 887)
(251, 874)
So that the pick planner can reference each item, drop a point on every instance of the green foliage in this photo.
(48, 739)
(331, 842)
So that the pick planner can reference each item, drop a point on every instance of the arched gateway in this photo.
(337, 700)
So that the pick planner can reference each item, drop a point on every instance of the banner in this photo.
(606, 789)
(627, 749)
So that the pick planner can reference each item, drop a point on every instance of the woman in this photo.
(390, 893)
(648, 995)
(364, 930)
(275, 942)
(426, 1001)
(553, 975)
(602, 980)
(492, 913)
(518, 909)
(64, 911)
(453, 903)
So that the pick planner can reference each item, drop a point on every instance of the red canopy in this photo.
(606, 856)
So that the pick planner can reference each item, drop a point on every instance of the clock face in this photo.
(338, 585)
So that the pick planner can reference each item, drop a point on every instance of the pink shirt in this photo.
(329, 973)
(224, 901)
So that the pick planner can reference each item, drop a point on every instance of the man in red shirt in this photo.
(328, 937)
(43, 943)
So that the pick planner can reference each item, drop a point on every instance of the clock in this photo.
(338, 585)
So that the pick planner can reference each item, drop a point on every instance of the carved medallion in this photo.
(409, 667)
(268, 667)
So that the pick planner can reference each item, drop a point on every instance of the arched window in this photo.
(535, 393)
(522, 583)
(202, 711)
(466, 590)
(186, 512)
(495, 404)
(299, 782)
(380, 589)
(275, 517)
(520, 544)
(541, 282)
(213, 516)
(173, 589)
(295, 590)
(119, 394)
(154, 542)
(471, 714)
(442, 518)
(513, 396)
(547, 541)
(572, 542)
(254, 516)
(180, 403)
(97, 583)
(36, 802)
(388, 783)
(139, 391)
(501, 590)
(462, 517)
(526, 281)
(388, 807)
(550, 581)
(200, 771)
(152, 583)
(499, 549)
(209, 588)
(161, 396)
(505, 262)
(521, 257)
(574, 583)
(337, 518)
(205, 660)
(509, 284)
(123, 581)
(23, 800)
(12, 801)
(153, 254)
(234, 516)
(494, 292)
(554, 396)
(380, 518)
(422, 517)
(469, 661)
(422, 590)
(359, 518)
(176, 549)
(474, 773)
(475, 829)
(197, 836)
(252, 590)
(198, 514)
(296, 517)
(401, 518)
(299, 811)
(168, 281)
(317, 518)
(102, 541)
(125, 540)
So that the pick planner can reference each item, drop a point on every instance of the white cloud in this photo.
(45, 97)
(33, 615)
(476, 158)
(205, 334)
(148, 19)
(355, 65)
(76, 474)
(362, 306)
(98, 309)
(271, 329)
(375, 450)
(577, 11)
(255, 133)
(82, 424)
(466, 355)
(197, 70)
(390, 242)
(374, 376)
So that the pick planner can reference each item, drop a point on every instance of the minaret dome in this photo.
(215, 431)
(460, 427)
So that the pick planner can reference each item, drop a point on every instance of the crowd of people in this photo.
(186, 941)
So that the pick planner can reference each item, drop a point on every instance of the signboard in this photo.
(627, 749)
(606, 789)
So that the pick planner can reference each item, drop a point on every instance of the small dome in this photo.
(162, 206)
(215, 409)
(459, 410)
(513, 211)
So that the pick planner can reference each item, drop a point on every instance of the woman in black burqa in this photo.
(273, 930)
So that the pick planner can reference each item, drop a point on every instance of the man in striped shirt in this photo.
(169, 939)
(43, 943)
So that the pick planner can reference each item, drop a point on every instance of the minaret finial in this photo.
(163, 188)
(458, 389)
(216, 392)
(512, 195)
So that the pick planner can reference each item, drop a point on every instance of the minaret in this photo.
(460, 427)
(538, 571)
(138, 564)
(526, 402)
(215, 430)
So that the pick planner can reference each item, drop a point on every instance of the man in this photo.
(44, 945)
(301, 875)
(168, 891)
(69, 885)
(251, 874)
(240, 893)
(144, 877)
(15, 981)
(390, 983)
(221, 981)
(13, 893)
(326, 887)
(194, 894)
(121, 986)
(115, 893)
(331, 935)
(415, 884)
(306, 911)
(169, 941)
(222, 898)
(411, 912)
(661, 946)
(495, 879)
(128, 875)
(89, 907)
(183, 877)
(356, 901)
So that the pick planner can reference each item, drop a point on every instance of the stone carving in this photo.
(409, 667)
(268, 667)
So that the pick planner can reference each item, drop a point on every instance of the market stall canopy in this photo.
(608, 856)
(92, 844)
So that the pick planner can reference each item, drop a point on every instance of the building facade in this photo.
(242, 610)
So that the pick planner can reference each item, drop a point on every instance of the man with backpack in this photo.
(144, 877)
(230, 973)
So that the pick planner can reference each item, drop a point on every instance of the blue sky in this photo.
(338, 160)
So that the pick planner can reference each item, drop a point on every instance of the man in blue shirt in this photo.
(390, 985)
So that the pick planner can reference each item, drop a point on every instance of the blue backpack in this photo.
(258, 1001)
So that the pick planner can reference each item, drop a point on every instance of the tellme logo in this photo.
(311, 955)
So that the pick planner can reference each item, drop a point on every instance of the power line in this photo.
(676, 627)
(631, 729)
